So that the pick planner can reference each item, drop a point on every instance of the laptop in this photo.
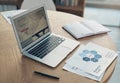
(35, 39)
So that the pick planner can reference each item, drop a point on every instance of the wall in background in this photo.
(104, 3)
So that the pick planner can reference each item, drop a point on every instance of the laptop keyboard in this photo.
(46, 46)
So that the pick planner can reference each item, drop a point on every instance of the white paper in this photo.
(78, 71)
(97, 64)
(95, 26)
(91, 61)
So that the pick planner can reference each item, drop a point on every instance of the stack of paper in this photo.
(91, 61)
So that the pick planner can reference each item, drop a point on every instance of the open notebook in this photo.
(85, 28)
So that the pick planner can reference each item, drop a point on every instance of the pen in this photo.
(47, 75)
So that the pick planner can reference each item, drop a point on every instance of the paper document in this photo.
(78, 71)
(92, 60)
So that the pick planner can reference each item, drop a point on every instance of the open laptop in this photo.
(35, 39)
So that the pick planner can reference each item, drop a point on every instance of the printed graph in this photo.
(92, 55)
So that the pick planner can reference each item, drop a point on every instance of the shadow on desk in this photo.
(28, 74)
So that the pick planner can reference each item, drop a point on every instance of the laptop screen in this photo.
(31, 26)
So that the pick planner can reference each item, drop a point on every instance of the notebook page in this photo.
(95, 27)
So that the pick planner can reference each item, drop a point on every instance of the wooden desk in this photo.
(14, 68)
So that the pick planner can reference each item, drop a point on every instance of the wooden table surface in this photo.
(15, 68)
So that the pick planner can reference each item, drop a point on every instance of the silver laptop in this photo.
(35, 39)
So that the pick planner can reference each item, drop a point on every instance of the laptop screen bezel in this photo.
(24, 13)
